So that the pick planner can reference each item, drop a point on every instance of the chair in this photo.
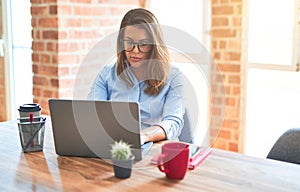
(187, 134)
(287, 147)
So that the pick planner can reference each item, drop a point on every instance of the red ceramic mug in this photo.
(173, 160)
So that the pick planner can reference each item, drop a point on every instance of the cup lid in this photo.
(31, 107)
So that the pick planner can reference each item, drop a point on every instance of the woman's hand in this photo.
(144, 138)
(153, 133)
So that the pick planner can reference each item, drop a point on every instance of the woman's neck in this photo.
(139, 72)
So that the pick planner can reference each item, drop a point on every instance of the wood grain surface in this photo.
(221, 171)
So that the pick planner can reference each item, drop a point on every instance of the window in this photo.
(273, 39)
(18, 63)
(272, 81)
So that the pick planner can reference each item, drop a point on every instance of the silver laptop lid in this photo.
(87, 128)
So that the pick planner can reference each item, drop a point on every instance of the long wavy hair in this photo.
(159, 58)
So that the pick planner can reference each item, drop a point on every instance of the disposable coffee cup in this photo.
(26, 109)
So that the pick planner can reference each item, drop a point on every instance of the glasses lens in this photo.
(128, 45)
(145, 48)
(142, 47)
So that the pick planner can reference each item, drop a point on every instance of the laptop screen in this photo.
(87, 128)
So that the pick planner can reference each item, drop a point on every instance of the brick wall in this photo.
(227, 49)
(64, 31)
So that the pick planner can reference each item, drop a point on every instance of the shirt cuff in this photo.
(168, 127)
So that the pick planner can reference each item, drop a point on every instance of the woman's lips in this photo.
(135, 59)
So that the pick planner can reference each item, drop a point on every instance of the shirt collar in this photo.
(130, 73)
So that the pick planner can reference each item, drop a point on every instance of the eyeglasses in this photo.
(143, 47)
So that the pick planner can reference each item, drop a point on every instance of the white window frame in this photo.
(17, 67)
(295, 66)
(8, 68)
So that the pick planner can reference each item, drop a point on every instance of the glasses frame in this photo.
(138, 46)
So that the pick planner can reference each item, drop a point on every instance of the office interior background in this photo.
(251, 96)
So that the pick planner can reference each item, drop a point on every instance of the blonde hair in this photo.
(159, 62)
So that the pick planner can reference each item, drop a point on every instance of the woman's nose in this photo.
(135, 49)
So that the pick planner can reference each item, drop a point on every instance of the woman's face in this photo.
(137, 46)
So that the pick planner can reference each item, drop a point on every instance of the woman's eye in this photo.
(129, 43)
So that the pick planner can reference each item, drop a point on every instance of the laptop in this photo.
(87, 128)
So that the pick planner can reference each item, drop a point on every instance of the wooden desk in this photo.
(221, 171)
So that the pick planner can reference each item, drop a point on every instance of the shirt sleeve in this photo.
(99, 89)
(172, 117)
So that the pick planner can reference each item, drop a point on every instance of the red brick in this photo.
(230, 101)
(231, 124)
(225, 134)
(81, 1)
(227, 90)
(64, 71)
(217, 100)
(64, 10)
(233, 147)
(223, 21)
(38, 46)
(223, 33)
(35, 57)
(68, 47)
(72, 22)
(48, 22)
(222, 44)
(232, 113)
(50, 1)
(67, 59)
(50, 34)
(47, 93)
(217, 55)
(47, 70)
(54, 82)
(220, 144)
(45, 58)
(229, 68)
(36, 91)
(52, 46)
(232, 56)
(39, 10)
(100, 11)
(214, 44)
(222, 10)
(53, 9)
(80, 10)
(237, 21)
(236, 91)
(66, 83)
(234, 45)
(236, 79)
(39, 80)
(237, 1)
(216, 111)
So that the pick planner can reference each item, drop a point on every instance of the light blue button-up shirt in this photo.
(164, 109)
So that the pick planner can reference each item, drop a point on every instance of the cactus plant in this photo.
(121, 150)
(122, 159)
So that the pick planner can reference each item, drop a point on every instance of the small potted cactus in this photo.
(122, 159)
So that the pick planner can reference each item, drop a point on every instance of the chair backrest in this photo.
(287, 147)
(187, 134)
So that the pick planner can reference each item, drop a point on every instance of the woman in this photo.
(143, 74)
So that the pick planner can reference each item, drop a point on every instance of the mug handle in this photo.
(160, 163)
